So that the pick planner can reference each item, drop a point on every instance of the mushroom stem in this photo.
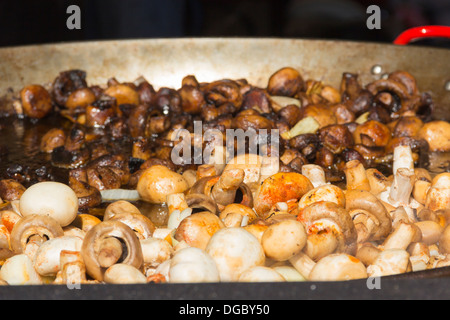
(356, 177)
(73, 270)
(302, 263)
(176, 201)
(110, 251)
(224, 191)
(401, 237)
(403, 158)
(315, 174)
(402, 187)
(319, 245)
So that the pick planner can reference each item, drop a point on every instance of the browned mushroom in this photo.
(54, 138)
(100, 237)
(285, 82)
(66, 83)
(11, 190)
(36, 101)
(80, 98)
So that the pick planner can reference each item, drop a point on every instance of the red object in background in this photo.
(422, 32)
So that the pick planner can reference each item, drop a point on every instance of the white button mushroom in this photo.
(158, 181)
(52, 199)
(261, 274)
(47, 258)
(235, 250)
(18, 270)
(338, 267)
(155, 251)
(122, 273)
(284, 239)
(190, 265)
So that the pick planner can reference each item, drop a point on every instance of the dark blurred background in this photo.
(32, 22)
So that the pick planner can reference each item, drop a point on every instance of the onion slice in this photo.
(119, 194)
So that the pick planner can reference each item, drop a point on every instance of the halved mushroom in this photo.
(99, 236)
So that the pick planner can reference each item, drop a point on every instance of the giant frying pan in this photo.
(164, 62)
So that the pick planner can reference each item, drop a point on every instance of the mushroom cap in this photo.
(234, 250)
(122, 273)
(328, 192)
(158, 181)
(318, 213)
(198, 228)
(111, 228)
(52, 199)
(192, 265)
(47, 258)
(437, 134)
(364, 200)
(284, 239)
(241, 209)
(438, 195)
(28, 226)
(280, 187)
(338, 267)
(18, 270)
(261, 274)
(155, 251)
